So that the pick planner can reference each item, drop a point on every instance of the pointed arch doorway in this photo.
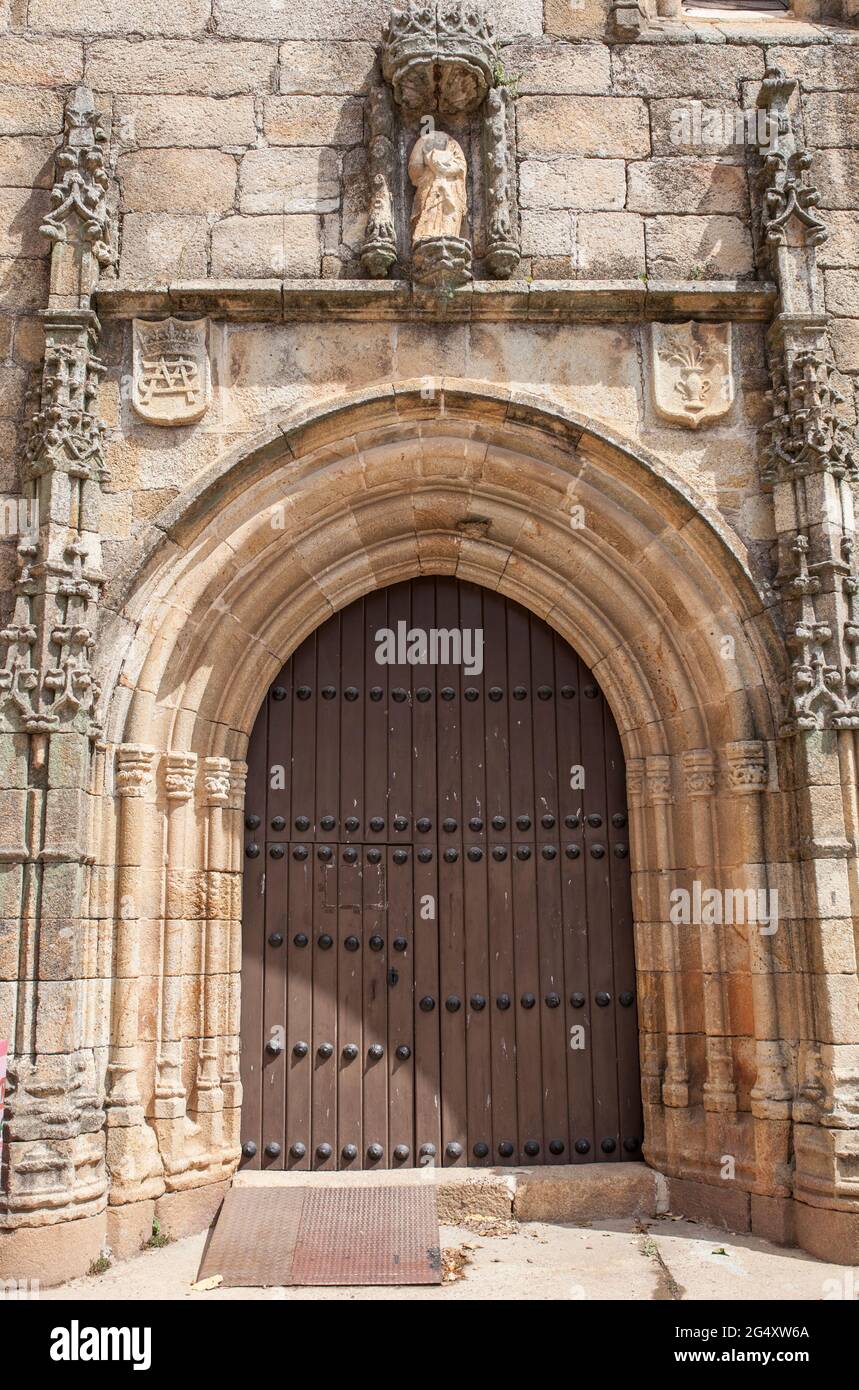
(437, 930)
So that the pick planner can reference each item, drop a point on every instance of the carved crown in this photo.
(169, 336)
(439, 56)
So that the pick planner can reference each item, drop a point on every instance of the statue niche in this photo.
(437, 168)
(439, 59)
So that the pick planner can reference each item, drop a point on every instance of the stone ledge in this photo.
(577, 1193)
(486, 301)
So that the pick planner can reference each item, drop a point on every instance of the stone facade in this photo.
(661, 209)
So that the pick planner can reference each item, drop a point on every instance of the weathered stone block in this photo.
(610, 245)
(189, 120)
(25, 111)
(540, 67)
(590, 184)
(303, 120)
(548, 233)
(178, 181)
(40, 62)
(845, 343)
(836, 176)
(118, 17)
(662, 70)
(21, 213)
(210, 68)
(158, 245)
(27, 161)
(343, 19)
(700, 247)
(687, 185)
(289, 180)
(832, 118)
(603, 126)
(259, 247)
(574, 19)
(320, 69)
(841, 247)
(842, 292)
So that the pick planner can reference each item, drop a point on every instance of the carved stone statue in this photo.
(437, 168)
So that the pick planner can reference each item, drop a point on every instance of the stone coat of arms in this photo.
(693, 379)
(171, 383)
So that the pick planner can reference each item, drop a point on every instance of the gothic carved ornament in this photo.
(810, 459)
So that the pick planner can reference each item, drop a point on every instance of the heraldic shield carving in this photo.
(693, 380)
(171, 380)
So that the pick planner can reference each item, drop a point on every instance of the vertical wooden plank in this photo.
(253, 938)
(302, 948)
(497, 738)
(350, 1005)
(325, 984)
(623, 990)
(276, 775)
(426, 900)
(577, 995)
(549, 906)
(375, 1008)
(602, 1004)
(275, 1029)
(524, 880)
(378, 682)
(354, 707)
(401, 982)
(502, 1006)
(451, 920)
(304, 706)
(328, 707)
(478, 1005)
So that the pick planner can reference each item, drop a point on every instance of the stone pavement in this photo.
(629, 1259)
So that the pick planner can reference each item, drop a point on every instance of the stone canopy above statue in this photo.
(439, 56)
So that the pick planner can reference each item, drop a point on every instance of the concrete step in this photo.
(575, 1193)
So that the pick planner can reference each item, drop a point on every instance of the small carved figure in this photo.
(437, 168)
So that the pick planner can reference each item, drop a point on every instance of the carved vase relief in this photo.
(693, 380)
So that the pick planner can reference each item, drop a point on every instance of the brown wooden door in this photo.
(437, 932)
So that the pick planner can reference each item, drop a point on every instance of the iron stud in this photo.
(298, 1150)
(349, 1152)
(326, 941)
(477, 1002)
(506, 1149)
(376, 1050)
(278, 693)
(272, 1149)
(556, 1146)
(503, 1001)
(276, 939)
(481, 1149)
(350, 1051)
(453, 1150)
(328, 822)
(325, 1049)
(532, 1148)
(404, 1052)
(427, 1004)
(249, 1148)
(252, 851)
(301, 938)
(452, 1004)
(377, 943)
(401, 1152)
(303, 692)
(301, 1049)
(323, 1152)
(252, 822)
(374, 1152)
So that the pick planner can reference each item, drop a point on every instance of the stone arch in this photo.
(645, 582)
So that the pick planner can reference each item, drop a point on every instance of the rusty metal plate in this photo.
(369, 1235)
(253, 1240)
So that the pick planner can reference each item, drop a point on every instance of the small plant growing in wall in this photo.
(502, 78)
(103, 1263)
(158, 1238)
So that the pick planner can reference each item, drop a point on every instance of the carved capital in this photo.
(748, 773)
(699, 771)
(180, 775)
(216, 781)
(658, 772)
(134, 769)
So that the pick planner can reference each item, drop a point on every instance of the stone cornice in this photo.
(537, 301)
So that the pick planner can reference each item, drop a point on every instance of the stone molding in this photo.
(357, 301)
